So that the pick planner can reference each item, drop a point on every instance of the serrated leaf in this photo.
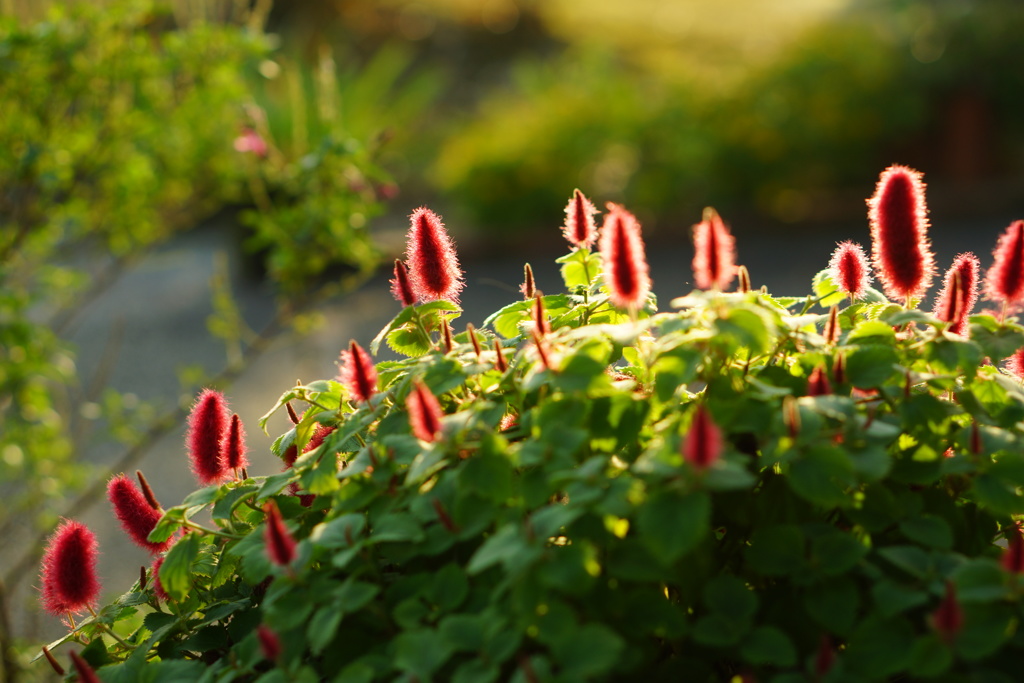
(176, 570)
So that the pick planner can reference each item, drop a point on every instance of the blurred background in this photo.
(210, 192)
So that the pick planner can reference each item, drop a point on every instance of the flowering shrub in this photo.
(588, 488)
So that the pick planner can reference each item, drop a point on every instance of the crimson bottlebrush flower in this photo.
(948, 618)
(424, 412)
(280, 544)
(959, 293)
(400, 287)
(625, 262)
(1004, 281)
(1013, 557)
(270, 644)
(137, 516)
(579, 227)
(500, 364)
(839, 369)
(434, 271)
(207, 425)
(817, 383)
(848, 269)
(529, 286)
(68, 575)
(358, 373)
(899, 234)
(703, 443)
(714, 258)
(234, 454)
(317, 438)
(540, 318)
(82, 668)
(1015, 363)
(158, 586)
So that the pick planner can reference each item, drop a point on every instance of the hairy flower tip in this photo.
(714, 258)
(358, 373)
(68, 575)
(959, 293)
(579, 228)
(848, 269)
(540, 317)
(1015, 363)
(270, 644)
(1004, 281)
(817, 383)
(207, 425)
(280, 544)
(82, 668)
(400, 286)
(625, 262)
(320, 433)
(158, 587)
(1013, 557)
(434, 271)
(137, 516)
(529, 286)
(424, 412)
(948, 618)
(234, 453)
(899, 233)
(703, 443)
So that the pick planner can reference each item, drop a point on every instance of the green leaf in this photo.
(826, 290)
(396, 526)
(823, 476)
(409, 340)
(671, 525)
(729, 597)
(476, 671)
(834, 605)
(590, 651)
(996, 495)
(223, 508)
(506, 320)
(339, 532)
(176, 570)
(871, 366)
(767, 645)
(450, 587)
(776, 550)
(323, 627)
(892, 598)
(836, 552)
(172, 520)
(928, 530)
(352, 595)
(871, 332)
(880, 648)
(421, 652)
(490, 475)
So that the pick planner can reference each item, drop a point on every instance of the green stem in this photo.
(214, 532)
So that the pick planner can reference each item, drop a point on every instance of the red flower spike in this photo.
(143, 580)
(791, 416)
(948, 618)
(270, 644)
(158, 587)
(714, 252)
(400, 286)
(424, 412)
(839, 369)
(825, 659)
(147, 492)
(579, 228)
(82, 668)
(471, 333)
(1015, 363)
(234, 454)
(542, 352)
(53, 661)
(959, 294)
(625, 263)
(703, 444)
(68, 575)
(849, 269)
(317, 438)
(1013, 557)
(280, 544)
(137, 516)
(743, 278)
(899, 234)
(207, 425)
(1004, 281)
(291, 454)
(434, 272)
(358, 372)
(500, 364)
(976, 444)
(529, 287)
(817, 383)
(540, 318)
(832, 327)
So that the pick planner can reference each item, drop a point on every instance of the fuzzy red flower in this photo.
(280, 544)
(158, 587)
(434, 271)
(959, 293)
(625, 262)
(1015, 363)
(579, 228)
(1004, 281)
(207, 425)
(358, 373)
(424, 412)
(68, 575)
(714, 258)
(899, 234)
(400, 287)
(1013, 557)
(270, 644)
(817, 383)
(319, 434)
(137, 516)
(849, 269)
(234, 455)
(948, 618)
(703, 443)
(82, 668)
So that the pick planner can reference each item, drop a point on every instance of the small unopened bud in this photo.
(540, 317)
(142, 578)
(84, 671)
(839, 369)
(500, 364)
(270, 644)
(446, 520)
(528, 288)
(471, 333)
(703, 443)
(146, 491)
(1013, 557)
(53, 662)
(948, 619)
(791, 416)
(291, 413)
(446, 336)
(817, 383)
(541, 351)
(825, 659)
(832, 328)
(744, 279)
(977, 444)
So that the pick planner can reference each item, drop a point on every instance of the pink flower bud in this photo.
(1015, 363)
(158, 586)
(817, 383)
(251, 142)
(714, 258)
(358, 373)
(948, 618)
(280, 544)
(1004, 281)
(899, 234)
(82, 668)
(234, 455)
(68, 575)
(579, 226)
(270, 644)
(703, 444)
(625, 262)
(137, 516)
(849, 269)
(207, 425)
(1013, 557)
(434, 271)
(540, 318)
(424, 412)
(959, 293)
(400, 287)
(529, 287)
